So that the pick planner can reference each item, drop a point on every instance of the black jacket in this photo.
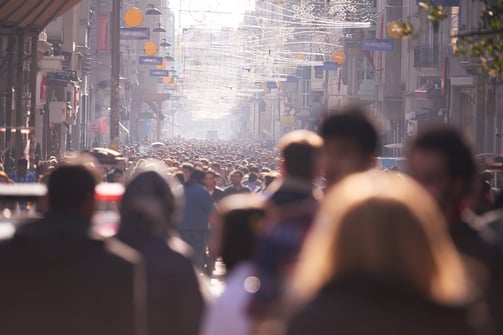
(367, 307)
(174, 301)
(58, 280)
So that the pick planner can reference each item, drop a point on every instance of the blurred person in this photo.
(349, 144)
(179, 176)
(57, 278)
(295, 201)
(150, 211)
(219, 180)
(236, 187)
(21, 173)
(300, 165)
(441, 160)
(238, 220)
(269, 178)
(379, 261)
(253, 182)
(194, 227)
(187, 169)
(210, 184)
(33, 150)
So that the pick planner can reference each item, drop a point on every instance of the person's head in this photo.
(21, 166)
(71, 189)
(238, 220)
(209, 179)
(235, 178)
(441, 160)
(187, 169)
(151, 203)
(349, 144)
(382, 226)
(197, 177)
(215, 167)
(300, 152)
(219, 180)
(252, 177)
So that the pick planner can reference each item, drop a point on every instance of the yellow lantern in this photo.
(299, 56)
(394, 29)
(166, 80)
(150, 48)
(163, 65)
(133, 17)
(339, 57)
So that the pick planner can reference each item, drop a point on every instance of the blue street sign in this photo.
(149, 60)
(159, 73)
(329, 66)
(135, 34)
(377, 45)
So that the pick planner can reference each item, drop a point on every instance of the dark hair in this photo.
(180, 176)
(252, 176)
(299, 149)
(354, 125)
(188, 166)
(448, 142)
(148, 205)
(69, 186)
(237, 171)
(196, 177)
(22, 162)
(239, 235)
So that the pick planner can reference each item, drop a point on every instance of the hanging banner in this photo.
(135, 33)
(377, 45)
(150, 60)
(102, 33)
(159, 73)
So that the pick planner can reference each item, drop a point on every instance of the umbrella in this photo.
(158, 145)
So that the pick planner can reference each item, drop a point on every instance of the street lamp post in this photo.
(115, 98)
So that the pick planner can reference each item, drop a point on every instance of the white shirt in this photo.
(227, 314)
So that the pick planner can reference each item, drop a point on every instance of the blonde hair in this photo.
(386, 226)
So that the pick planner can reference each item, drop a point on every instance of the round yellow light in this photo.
(150, 48)
(299, 56)
(166, 80)
(163, 65)
(339, 57)
(394, 29)
(133, 17)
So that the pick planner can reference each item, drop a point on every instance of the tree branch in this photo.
(479, 33)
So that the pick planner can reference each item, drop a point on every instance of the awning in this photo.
(426, 91)
(33, 15)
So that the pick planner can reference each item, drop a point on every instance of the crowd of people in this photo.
(314, 240)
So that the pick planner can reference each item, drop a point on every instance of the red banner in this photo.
(102, 33)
